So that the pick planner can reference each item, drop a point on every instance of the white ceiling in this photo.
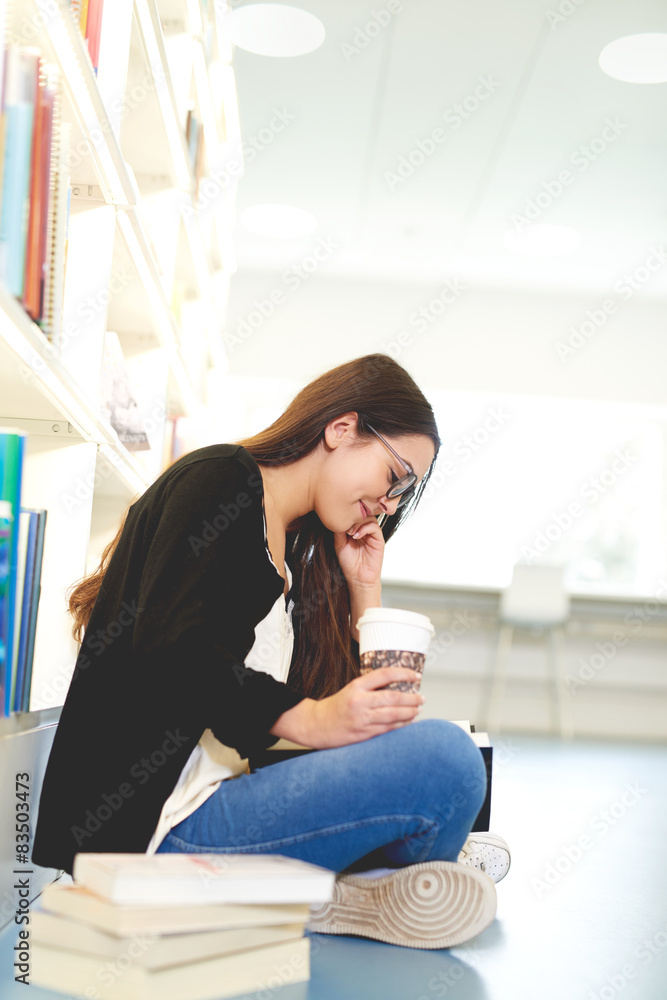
(356, 112)
(355, 115)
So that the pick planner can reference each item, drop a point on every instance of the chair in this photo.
(536, 596)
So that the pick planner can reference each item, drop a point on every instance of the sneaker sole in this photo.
(433, 904)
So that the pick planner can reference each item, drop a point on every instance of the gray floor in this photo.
(582, 914)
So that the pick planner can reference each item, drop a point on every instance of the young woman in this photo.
(223, 617)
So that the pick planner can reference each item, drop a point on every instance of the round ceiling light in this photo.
(282, 221)
(269, 29)
(636, 58)
(542, 240)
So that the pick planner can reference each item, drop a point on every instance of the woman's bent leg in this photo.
(406, 796)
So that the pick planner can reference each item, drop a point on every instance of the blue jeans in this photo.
(405, 796)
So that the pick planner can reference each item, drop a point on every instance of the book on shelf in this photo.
(6, 529)
(40, 170)
(83, 14)
(118, 401)
(27, 604)
(187, 879)
(21, 561)
(93, 30)
(60, 195)
(79, 10)
(262, 969)
(180, 437)
(34, 186)
(21, 553)
(19, 99)
(78, 903)
(194, 136)
(88, 16)
(12, 447)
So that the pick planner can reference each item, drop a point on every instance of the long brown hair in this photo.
(383, 394)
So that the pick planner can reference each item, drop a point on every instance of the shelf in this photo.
(36, 390)
(26, 722)
(96, 156)
(193, 261)
(162, 162)
(183, 398)
(143, 261)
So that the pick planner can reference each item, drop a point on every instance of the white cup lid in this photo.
(398, 616)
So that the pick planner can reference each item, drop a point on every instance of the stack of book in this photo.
(181, 926)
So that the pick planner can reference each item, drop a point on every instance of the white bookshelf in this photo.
(148, 258)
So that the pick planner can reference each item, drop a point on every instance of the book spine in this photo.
(34, 607)
(83, 15)
(46, 319)
(93, 30)
(4, 34)
(19, 109)
(33, 263)
(6, 525)
(23, 600)
(56, 236)
(49, 102)
(62, 218)
(24, 528)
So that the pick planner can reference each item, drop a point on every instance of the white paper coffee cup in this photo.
(394, 628)
(393, 637)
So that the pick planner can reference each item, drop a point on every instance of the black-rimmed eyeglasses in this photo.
(403, 487)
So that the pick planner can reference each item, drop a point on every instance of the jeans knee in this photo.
(455, 762)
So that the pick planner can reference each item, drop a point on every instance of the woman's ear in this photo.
(341, 430)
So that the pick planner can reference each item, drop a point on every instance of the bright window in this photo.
(532, 479)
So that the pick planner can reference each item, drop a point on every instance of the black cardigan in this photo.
(163, 656)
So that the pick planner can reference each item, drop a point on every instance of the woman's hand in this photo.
(358, 711)
(360, 557)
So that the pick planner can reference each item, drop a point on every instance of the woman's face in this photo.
(354, 478)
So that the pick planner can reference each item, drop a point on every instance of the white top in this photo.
(211, 762)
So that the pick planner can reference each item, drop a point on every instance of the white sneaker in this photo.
(433, 904)
(488, 853)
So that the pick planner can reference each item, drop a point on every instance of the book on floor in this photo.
(184, 879)
(79, 903)
(263, 970)
(155, 951)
